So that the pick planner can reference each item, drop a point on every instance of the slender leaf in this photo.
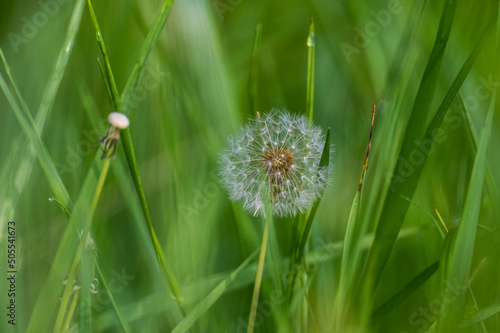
(201, 308)
(460, 261)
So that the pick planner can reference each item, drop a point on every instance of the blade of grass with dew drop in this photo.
(299, 251)
(311, 44)
(253, 91)
(404, 293)
(394, 210)
(167, 274)
(355, 232)
(460, 260)
(201, 308)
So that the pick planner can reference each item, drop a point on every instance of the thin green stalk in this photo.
(258, 277)
(253, 91)
(83, 240)
(147, 47)
(71, 311)
(296, 258)
(311, 44)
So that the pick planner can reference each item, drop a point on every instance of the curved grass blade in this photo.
(395, 209)
(460, 260)
(355, 233)
(149, 43)
(404, 293)
(118, 312)
(201, 308)
(28, 125)
(481, 315)
(489, 181)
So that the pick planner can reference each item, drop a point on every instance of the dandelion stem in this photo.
(83, 240)
(258, 278)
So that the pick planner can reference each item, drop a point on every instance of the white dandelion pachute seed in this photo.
(118, 120)
(280, 165)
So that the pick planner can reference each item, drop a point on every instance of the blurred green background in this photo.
(192, 94)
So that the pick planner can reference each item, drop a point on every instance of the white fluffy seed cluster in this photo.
(275, 159)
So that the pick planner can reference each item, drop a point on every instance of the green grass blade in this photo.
(355, 232)
(323, 163)
(391, 218)
(201, 308)
(394, 209)
(460, 262)
(481, 315)
(311, 45)
(404, 293)
(253, 91)
(48, 298)
(29, 128)
(110, 79)
(490, 183)
(299, 250)
(57, 75)
(102, 278)
(24, 161)
(147, 47)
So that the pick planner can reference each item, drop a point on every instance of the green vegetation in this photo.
(149, 241)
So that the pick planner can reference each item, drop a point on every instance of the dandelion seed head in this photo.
(275, 159)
